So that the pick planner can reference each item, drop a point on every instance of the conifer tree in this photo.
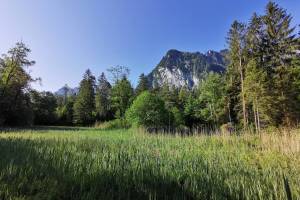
(262, 70)
(143, 84)
(257, 93)
(236, 68)
(280, 45)
(103, 98)
(84, 105)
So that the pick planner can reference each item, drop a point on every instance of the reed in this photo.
(131, 164)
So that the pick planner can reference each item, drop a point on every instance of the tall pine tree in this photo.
(143, 84)
(85, 102)
(280, 45)
(103, 99)
(257, 93)
(236, 69)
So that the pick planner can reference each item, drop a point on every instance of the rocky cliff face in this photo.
(186, 69)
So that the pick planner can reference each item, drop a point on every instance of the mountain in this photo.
(68, 90)
(178, 69)
(186, 69)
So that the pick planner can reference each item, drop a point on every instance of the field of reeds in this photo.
(88, 163)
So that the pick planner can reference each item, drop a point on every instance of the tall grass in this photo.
(95, 164)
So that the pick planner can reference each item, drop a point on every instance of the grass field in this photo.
(86, 163)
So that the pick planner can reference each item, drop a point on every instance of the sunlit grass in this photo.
(89, 163)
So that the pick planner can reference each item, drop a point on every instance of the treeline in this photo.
(261, 87)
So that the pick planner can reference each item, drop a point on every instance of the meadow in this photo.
(89, 163)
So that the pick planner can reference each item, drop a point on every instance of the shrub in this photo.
(147, 110)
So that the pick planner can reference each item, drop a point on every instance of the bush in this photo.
(147, 110)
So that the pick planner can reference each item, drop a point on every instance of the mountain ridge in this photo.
(66, 90)
(180, 68)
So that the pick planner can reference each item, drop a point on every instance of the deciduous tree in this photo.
(148, 110)
(121, 97)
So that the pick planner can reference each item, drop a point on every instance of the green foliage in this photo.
(236, 72)
(143, 84)
(44, 106)
(212, 99)
(279, 48)
(15, 105)
(182, 96)
(103, 99)
(190, 107)
(64, 110)
(178, 117)
(119, 164)
(147, 110)
(170, 95)
(84, 106)
(121, 97)
(261, 71)
(258, 96)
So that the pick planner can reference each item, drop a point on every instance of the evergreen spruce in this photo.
(103, 99)
(143, 84)
(236, 69)
(84, 105)
(280, 46)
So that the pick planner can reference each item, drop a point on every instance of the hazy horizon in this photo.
(68, 37)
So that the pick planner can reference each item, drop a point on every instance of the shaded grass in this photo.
(94, 164)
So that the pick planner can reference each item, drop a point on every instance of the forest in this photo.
(260, 88)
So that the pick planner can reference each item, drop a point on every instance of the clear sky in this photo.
(69, 36)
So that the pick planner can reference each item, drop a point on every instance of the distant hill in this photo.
(68, 90)
(186, 69)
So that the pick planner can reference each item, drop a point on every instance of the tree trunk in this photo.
(255, 118)
(243, 94)
(229, 113)
(258, 118)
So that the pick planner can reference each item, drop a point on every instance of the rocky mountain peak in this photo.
(179, 68)
(66, 90)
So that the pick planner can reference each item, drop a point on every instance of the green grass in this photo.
(86, 163)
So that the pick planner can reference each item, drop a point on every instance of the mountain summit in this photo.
(179, 68)
(66, 90)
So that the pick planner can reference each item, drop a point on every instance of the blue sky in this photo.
(69, 36)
